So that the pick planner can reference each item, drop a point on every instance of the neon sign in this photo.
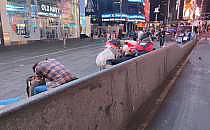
(15, 8)
(123, 16)
(138, 1)
(136, 17)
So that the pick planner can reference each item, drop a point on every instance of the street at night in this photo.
(104, 64)
(16, 63)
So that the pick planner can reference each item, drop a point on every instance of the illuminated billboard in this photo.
(138, 1)
(147, 10)
(123, 17)
(189, 7)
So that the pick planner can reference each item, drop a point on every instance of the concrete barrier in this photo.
(102, 101)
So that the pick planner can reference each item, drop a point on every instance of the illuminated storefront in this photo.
(26, 20)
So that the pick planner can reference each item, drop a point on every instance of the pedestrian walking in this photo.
(162, 37)
(120, 34)
(108, 36)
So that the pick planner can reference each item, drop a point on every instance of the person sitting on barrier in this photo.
(110, 53)
(126, 53)
(54, 72)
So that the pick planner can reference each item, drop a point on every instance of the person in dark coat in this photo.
(162, 37)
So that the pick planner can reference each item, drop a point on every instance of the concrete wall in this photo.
(103, 101)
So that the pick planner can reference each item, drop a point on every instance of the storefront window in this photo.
(59, 19)
(70, 18)
(18, 17)
(46, 19)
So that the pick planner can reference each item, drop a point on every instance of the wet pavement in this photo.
(187, 106)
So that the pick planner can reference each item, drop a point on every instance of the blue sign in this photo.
(138, 1)
(136, 17)
(114, 15)
(123, 16)
(34, 10)
(15, 8)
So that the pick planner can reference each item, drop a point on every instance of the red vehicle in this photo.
(141, 46)
(145, 46)
(131, 45)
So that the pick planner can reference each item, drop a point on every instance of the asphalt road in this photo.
(16, 63)
(188, 105)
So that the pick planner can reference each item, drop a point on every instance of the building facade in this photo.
(115, 15)
(28, 20)
(169, 10)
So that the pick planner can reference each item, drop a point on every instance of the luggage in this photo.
(9, 101)
(35, 85)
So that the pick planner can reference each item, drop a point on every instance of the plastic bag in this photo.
(102, 57)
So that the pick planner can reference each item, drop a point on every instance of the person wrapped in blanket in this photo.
(48, 73)
(111, 52)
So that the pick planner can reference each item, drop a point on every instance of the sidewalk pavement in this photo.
(43, 47)
(50, 43)
(188, 105)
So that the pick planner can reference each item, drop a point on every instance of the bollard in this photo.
(64, 42)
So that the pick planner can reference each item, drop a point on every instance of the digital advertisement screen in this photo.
(138, 1)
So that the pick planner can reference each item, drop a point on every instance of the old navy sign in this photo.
(48, 10)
